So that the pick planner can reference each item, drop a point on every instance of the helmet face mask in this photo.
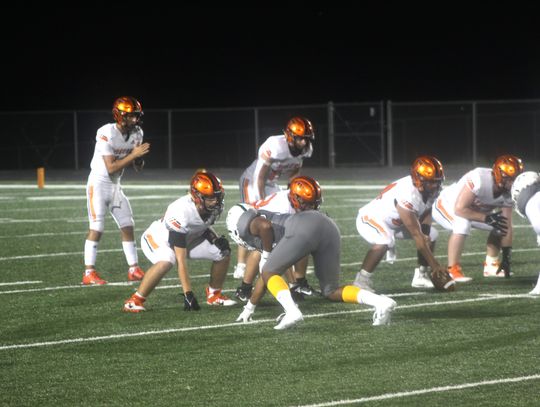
(127, 113)
(207, 192)
(505, 170)
(427, 174)
(299, 129)
(305, 193)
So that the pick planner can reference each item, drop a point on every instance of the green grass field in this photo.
(63, 344)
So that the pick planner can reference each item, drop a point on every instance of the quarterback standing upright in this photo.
(279, 155)
(118, 145)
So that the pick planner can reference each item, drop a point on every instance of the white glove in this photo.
(246, 315)
(262, 262)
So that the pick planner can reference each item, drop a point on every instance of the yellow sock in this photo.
(350, 294)
(276, 284)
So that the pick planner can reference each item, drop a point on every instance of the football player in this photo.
(283, 239)
(304, 193)
(470, 203)
(526, 197)
(280, 155)
(183, 233)
(118, 145)
(403, 211)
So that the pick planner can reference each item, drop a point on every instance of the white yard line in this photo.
(389, 396)
(236, 324)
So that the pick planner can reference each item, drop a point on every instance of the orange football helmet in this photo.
(127, 105)
(206, 186)
(426, 168)
(299, 127)
(305, 193)
(506, 166)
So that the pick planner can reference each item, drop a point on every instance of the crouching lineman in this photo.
(185, 232)
(469, 203)
(304, 193)
(285, 238)
(526, 196)
(403, 211)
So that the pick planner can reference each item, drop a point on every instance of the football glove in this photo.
(505, 262)
(247, 314)
(498, 221)
(190, 302)
(223, 245)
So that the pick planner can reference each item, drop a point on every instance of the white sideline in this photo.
(237, 324)
(441, 389)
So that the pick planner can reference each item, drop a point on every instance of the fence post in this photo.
(75, 140)
(169, 139)
(474, 138)
(389, 134)
(331, 135)
(256, 124)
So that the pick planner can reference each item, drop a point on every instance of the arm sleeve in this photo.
(177, 239)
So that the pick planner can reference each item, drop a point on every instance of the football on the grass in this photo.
(442, 281)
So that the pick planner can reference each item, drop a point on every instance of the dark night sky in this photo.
(227, 57)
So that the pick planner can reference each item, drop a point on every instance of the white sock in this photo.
(490, 260)
(90, 252)
(241, 266)
(285, 299)
(368, 298)
(130, 251)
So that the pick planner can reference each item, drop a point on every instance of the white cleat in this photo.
(239, 271)
(383, 311)
(536, 290)
(363, 280)
(391, 255)
(421, 279)
(289, 319)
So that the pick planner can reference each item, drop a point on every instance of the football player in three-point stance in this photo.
(283, 239)
(183, 233)
(304, 193)
(469, 203)
(403, 211)
(118, 145)
(526, 196)
(278, 155)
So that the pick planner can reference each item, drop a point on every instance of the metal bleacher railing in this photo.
(382, 133)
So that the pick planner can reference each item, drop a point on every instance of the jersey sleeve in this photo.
(175, 221)
(473, 181)
(104, 144)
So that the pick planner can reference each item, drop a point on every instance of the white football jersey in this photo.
(275, 153)
(110, 141)
(401, 192)
(480, 182)
(278, 202)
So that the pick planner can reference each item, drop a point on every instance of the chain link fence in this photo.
(347, 134)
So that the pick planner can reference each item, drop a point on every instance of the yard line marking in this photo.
(440, 389)
(176, 187)
(21, 282)
(237, 324)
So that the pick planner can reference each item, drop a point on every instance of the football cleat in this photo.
(383, 311)
(135, 273)
(490, 270)
(536, 289)
(457, 274)
(217, 298)
(92, 278)
(134, 304)
(363, 280)
(243, 294)
(289, 319)
(421, 278)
